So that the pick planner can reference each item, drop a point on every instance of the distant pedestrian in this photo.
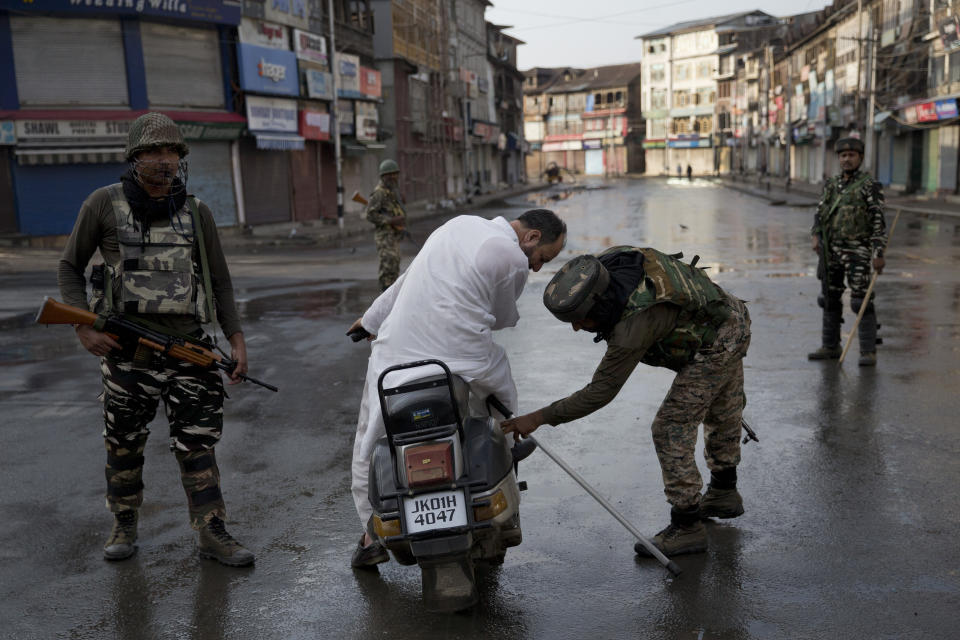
(849, 233)
(387, 214)
(689, 172)
(679, 170)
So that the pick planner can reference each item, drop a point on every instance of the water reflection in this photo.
(326, 299)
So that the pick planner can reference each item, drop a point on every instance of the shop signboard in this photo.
(348, 75)
(345, 116)
(370, 83)
(910, 115)
(319, 84)
(367, 121)
(489, 132)
(211, 11)
(211, 130)
(59, 132)
(310, 46)
(314, 125)
(265, 70)
(926, 112)
(264, 34)
(289, 12)
(688, 143)
(271, 114)
(592, 144)
(946, 109)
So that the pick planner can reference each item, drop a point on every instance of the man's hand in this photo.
(878, 264)
(238, 353)
(815, 243)
(357, 325)
(96, 342)
(522, 426)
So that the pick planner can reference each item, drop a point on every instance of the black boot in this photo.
(868, 337)
(830, 337)
(684, 534)
(721, 499)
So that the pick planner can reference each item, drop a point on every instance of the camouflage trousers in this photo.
(193, 400)
(852, 262)
(708, 390)
(389, 255)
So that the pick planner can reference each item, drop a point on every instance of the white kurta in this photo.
(462, 286)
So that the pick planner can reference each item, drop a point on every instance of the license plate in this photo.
(437, 510)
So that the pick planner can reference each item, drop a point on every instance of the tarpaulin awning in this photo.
(279, 141)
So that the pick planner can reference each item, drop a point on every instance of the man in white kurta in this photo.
(463, 285)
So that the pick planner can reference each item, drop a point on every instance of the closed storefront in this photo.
(49, 195)
(69, 61)
(210, 177)
(949, 139)
(266, 183)
(182, 66)
(931, 166)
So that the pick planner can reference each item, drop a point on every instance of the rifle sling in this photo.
(204, 265)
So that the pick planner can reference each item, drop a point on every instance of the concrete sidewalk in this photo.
(807, 195)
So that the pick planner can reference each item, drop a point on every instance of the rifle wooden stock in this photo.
(359, 198)
(53, 312)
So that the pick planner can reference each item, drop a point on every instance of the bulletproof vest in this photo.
(703, 307)
(391, 202)
(156, 272)
(847, 218)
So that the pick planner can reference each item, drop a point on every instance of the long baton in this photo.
(866, 298)
(656, 553)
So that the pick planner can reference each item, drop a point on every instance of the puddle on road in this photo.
(325, 299)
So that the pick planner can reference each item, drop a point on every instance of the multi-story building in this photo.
(681, 70)
(536, 107)
(508, 99)
(412, 57)
(584, 120)
(250, 90)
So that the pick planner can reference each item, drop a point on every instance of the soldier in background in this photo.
(388, 216)
(163, 268)
(651, 308)
(849, 233)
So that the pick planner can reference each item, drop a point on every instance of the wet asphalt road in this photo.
(851, 516)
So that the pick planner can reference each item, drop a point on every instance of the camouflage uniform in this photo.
(851, 227)
(676, 318)
(384, 204)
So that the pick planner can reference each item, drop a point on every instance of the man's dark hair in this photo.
(546, 222)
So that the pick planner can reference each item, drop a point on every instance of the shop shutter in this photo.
(266, 183)
(210, 178)
(68, 61)
(182, 65)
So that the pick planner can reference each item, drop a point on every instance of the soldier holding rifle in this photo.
(163, 269)
(849, 233)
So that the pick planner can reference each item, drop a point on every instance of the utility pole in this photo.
(788, 119)
(334, 122)
(856, 104)
(871, 101)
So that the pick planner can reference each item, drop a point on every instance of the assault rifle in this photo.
(402, 230)
(131, 333)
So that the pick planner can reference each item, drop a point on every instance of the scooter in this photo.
(443, 485)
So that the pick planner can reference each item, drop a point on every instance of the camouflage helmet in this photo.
(849, 144)
(388, 166)
(571, 293)
(152, 130)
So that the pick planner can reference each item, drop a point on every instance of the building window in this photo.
(955, 66)
(704, 69)
(704, 125)
(657, 73)
(936, 71)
